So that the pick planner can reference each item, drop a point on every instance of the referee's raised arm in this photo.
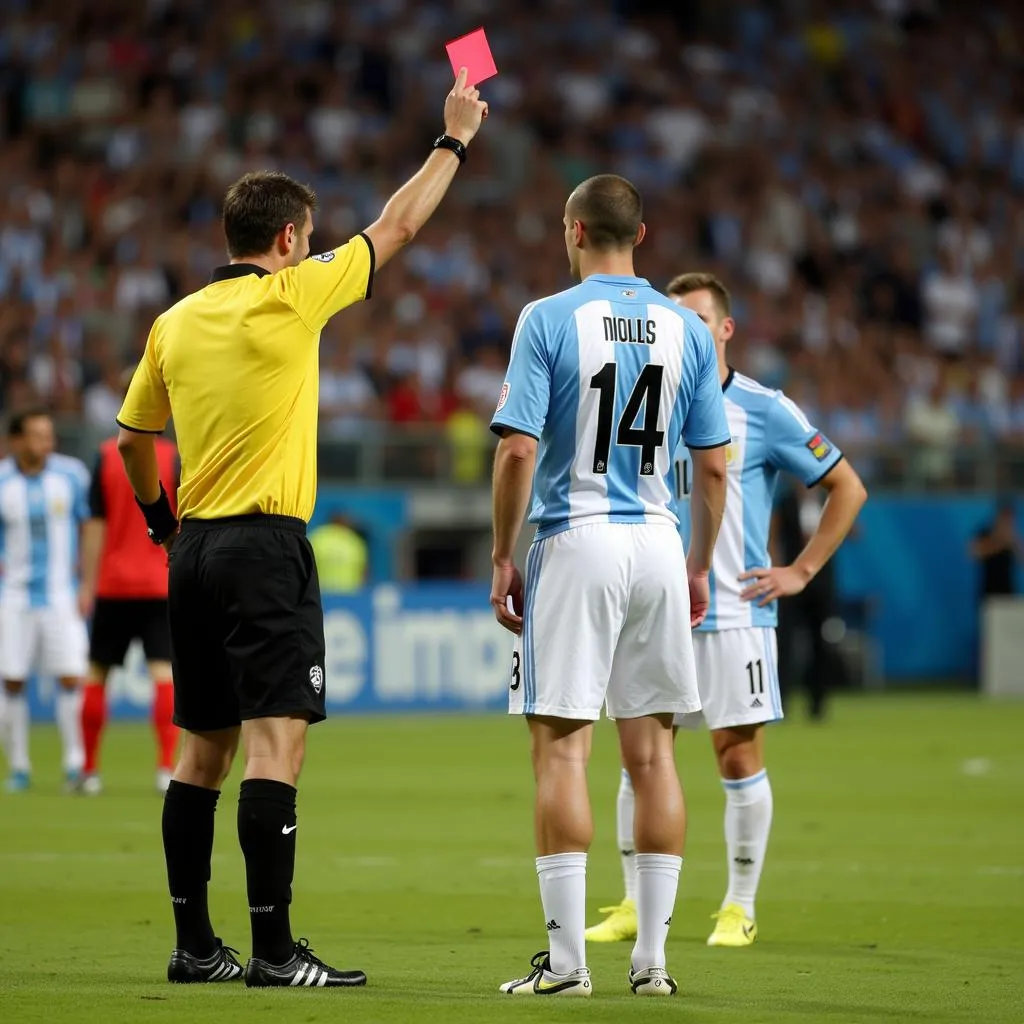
(236, 365)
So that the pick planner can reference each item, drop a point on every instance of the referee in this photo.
(236, 365)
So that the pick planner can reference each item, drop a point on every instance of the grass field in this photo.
(893, 891)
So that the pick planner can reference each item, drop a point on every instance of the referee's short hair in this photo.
(259, 206)
(699, 281)
(17, 423)
(611, 210)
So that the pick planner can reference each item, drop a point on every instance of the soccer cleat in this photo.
(17, 782)
(90, 785)
(734, 928)
(163, 779)
(542, 981)
(73, 780)
(652, 981)
(303, 970)
(221, 965)
(618, 926)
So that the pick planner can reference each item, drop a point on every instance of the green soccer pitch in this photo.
(893, 889)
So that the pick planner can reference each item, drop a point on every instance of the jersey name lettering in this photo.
(629, 330)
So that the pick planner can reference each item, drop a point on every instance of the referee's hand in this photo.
(507, 582)
(463, 110)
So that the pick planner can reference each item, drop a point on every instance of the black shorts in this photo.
(247, 626)
(116, 622)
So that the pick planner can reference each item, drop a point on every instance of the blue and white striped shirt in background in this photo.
(40, 518)
(770, 434)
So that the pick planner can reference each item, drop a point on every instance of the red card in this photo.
(473, 53)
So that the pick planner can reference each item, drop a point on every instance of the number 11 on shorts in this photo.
(755, 673)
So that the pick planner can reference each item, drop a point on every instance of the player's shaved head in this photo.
(610, 210)
(700, 281)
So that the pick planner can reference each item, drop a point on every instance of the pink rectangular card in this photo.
(473, 53)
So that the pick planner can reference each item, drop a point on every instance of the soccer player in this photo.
(737, 669)
(43, 504)
(236, 364)
(603, 381)
(124, 590)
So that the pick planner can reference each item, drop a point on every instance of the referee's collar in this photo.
(232, 270)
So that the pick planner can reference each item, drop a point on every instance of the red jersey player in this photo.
(124, 588)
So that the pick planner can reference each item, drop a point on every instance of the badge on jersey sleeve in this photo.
(503, 397)
(819, 447)
(324, 257)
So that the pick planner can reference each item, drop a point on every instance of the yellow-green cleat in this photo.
(618, 926)
(734, 928)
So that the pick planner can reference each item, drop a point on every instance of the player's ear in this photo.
(727, 329)
(641, 233)
(578, 232)
(286, 239)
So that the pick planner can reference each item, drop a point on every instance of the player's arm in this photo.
(705, 433)
(519, 420)
(144, 414)
(846, 497)
(707, 506)
(326, 284)
(514, 463)
(414, 203)
(800, 449)
(94, 530)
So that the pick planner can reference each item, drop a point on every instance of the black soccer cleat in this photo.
(303, 971)
(221, 965)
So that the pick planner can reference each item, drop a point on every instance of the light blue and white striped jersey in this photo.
(608, 376)
(40, 518)
(769, 434)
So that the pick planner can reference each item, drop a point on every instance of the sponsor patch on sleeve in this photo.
(503, 397)
(819, 447)
(324, 257)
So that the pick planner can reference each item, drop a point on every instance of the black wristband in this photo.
(453, 145)
(161, 522)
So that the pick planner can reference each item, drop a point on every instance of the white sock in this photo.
(748, 820)
(17, 732)
(624, 808)
(69, 723)
(657, 876)
(563, 894)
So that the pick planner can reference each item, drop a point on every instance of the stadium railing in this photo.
(387, 454)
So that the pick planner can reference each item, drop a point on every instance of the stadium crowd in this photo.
(854, 170)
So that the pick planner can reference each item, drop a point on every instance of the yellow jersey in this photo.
(236, 365)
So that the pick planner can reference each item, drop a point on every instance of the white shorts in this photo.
(738, 678)
(605, 622)
(42, 641)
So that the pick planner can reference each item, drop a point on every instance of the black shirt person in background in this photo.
(995, 547)
(806, 660)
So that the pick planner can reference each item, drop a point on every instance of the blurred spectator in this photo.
(996, 548)
(341, 553)
(950, 300)
(479, 383)
(347, 397)
(102, 400)
(933, 423)
(469, 439)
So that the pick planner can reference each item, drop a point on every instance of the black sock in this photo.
(188, 847)
(266, 832)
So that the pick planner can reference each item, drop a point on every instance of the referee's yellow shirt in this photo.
(236, 364)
